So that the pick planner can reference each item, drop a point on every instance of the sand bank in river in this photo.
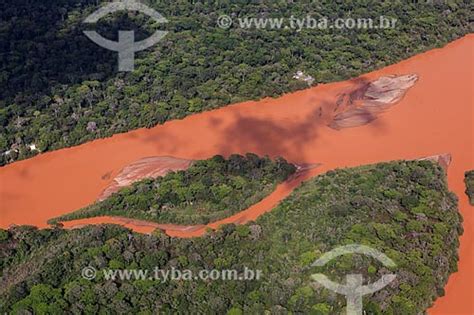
(149, 167)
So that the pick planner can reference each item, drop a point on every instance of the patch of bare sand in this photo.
(149, 167)
(444, 160)
(362, 105)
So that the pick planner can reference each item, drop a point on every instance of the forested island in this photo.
(403, 209)
(59, 89)
(208, 191)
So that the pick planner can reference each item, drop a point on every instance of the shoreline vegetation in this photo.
(404, 209)
(209, 190)
(469, 180)
(60, 90)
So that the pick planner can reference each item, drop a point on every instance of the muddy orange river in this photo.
(436, 116)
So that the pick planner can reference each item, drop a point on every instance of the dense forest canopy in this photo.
(402, 209)
(58, 89)
(208, 191)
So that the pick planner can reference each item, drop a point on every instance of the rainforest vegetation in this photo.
(209, 190)
(403, 209)
(58, 88)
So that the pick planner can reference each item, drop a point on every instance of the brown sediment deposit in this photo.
(362, 105)
(149, 167)
(435, 115)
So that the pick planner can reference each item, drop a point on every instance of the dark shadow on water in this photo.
(286, 137)
(269, 137)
